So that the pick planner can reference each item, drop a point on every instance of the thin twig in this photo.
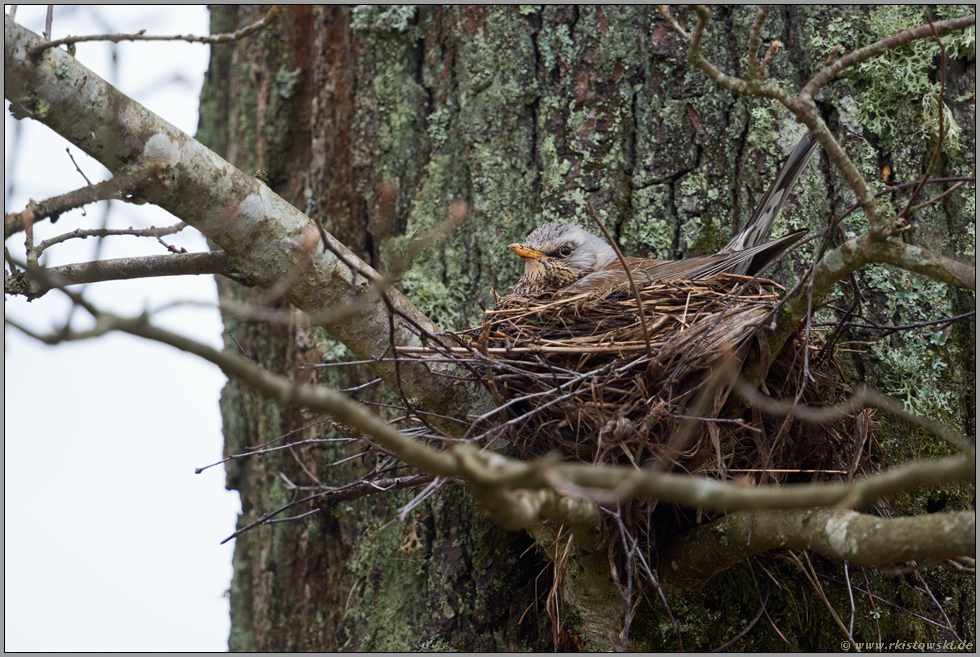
(48, 20)
(753, 70)
(629, 274)
(272, 15)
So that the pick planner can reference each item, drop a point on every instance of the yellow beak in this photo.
(525, 252)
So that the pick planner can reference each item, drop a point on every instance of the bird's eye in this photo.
(564, 251)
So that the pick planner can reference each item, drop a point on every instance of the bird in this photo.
(568, 258)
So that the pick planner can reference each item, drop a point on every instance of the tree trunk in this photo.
(527, 114)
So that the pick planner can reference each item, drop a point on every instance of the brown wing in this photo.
(644, 270)
(647, 270)
(635, 264)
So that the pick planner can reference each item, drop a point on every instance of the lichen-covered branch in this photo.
(837, 264)
(858, 538)
(923, 261)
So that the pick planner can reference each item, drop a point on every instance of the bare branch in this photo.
(626, 268)
(937, 197)
(862, 397)
(770, 53)
(753, 70)
(78, 233)
(78, 168)
(54, 207)
(959, 180)
(888, 329)
(669, 17)
(48, 20)
(271, 16)
(176, 264)
(899, 223)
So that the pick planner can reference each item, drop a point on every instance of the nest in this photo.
(591, 378)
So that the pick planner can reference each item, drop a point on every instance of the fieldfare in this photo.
(562, 256)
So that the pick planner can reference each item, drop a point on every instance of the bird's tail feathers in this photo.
(758, 227)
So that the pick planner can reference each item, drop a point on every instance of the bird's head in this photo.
(556, 255)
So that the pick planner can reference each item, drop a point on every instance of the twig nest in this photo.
(609, 378)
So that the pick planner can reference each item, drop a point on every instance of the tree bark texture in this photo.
(527, 113)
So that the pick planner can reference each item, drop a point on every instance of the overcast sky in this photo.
(111, 542)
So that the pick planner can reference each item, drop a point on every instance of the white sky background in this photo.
(111, 542)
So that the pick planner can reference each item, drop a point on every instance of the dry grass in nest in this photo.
(573, 374)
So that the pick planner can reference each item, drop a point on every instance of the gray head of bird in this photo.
(556, 255)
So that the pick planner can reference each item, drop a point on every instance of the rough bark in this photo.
(527, 113)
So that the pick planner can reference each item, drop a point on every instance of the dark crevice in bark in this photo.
(535, 107)
(737, 155)
(723, 20)
(632, 165)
